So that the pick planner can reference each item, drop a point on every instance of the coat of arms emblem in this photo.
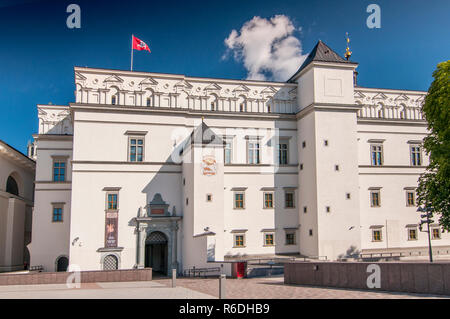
(209, 165)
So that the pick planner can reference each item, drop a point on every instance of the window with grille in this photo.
(283, 153)
(410, 198)
(268, 200)
(416, 155)
(239, 240)
(112, 202)
(376, 235)
(59, 170)
(269, 239)
(253, 152)
(290, 238)
(375, 198)
(412, 234)
(289, 199)
(239, 200)
(110, 262)
(435, 233)
(136, 149)
(57, 214)
(377, 154)
(228, 151)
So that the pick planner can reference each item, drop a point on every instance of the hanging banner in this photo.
(111, 225)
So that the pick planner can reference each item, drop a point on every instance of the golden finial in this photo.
(348, 53)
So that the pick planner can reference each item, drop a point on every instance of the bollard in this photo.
(174, 278)
(222, 286)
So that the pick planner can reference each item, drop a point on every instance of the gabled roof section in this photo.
(149, 81)
(204, 135)
(213, 86)
(114, 78)
(321, 53)
(241, 88)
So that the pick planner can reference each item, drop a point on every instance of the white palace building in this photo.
(170, 171)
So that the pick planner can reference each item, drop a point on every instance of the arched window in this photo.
(110, 262)
(11, 186)
(62, 263)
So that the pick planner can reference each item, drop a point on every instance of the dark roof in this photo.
(321, 53)
(204, 135)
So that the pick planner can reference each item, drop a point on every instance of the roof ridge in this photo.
(321, 53)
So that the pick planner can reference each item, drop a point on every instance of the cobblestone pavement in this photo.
(105, 290)
(274, 288)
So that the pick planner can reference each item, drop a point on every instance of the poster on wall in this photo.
(111, 229)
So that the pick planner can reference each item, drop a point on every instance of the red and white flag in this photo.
(139, 44)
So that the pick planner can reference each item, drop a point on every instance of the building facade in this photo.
(169, 171)
(16, 208)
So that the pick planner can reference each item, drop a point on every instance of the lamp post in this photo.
(427, 220)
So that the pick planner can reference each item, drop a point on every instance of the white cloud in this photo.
(267, 48)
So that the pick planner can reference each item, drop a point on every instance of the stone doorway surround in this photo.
(158, 219)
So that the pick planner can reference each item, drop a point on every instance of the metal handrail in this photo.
(199, 271)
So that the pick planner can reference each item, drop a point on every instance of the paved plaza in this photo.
(195, 288)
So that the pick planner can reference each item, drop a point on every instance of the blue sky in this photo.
(38, 51)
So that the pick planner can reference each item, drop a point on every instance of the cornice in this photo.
(103, 108)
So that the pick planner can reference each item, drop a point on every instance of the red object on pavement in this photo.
(240, 270)
(140, 45)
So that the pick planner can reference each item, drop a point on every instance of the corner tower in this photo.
(327, 152)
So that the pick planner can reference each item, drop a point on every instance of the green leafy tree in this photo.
(434, 183)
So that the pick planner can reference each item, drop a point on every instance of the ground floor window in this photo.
(239, 240)
(376, 235)
(62, 263)
(435, 233)
(269, 239)
(412, 233)
(290, 238)
(110, 262)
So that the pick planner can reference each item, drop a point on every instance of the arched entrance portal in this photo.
(156, 252)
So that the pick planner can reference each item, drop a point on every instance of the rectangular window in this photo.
(113, 100)
(283, 153)
(410, 198)
(112, 202)
(227, 157)
(59, 170)
(377, 154)
(239, 200)
(57, 213)
(268, 200)
(375, 198)
(290, 238)
(435, 233)
(149, 102)
(412, 233)
(253, 152)
(289, 199)
(136, 149)
(376, 235)
(239, 240)
(268, 239)
(416, 155)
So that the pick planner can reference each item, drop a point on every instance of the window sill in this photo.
(238, 246)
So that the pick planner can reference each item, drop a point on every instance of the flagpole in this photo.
(132, 52)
